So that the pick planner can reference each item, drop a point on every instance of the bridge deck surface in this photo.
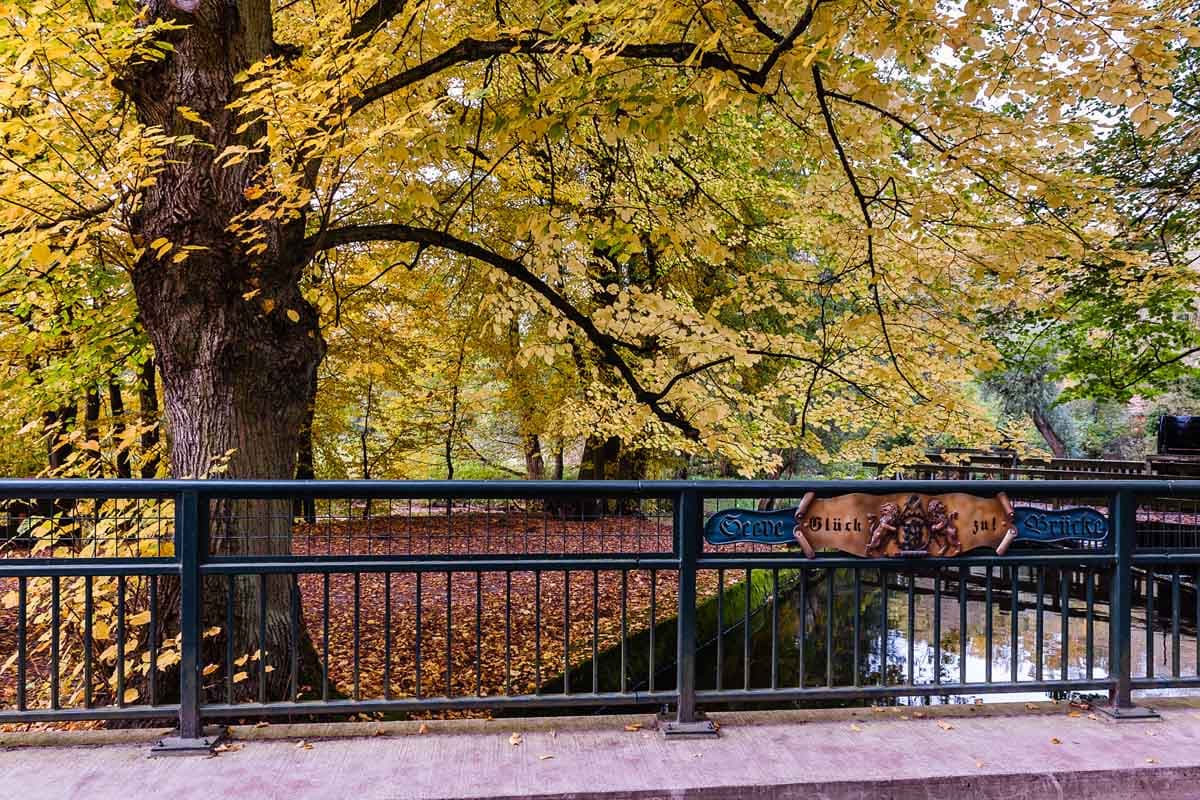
(1009, 751)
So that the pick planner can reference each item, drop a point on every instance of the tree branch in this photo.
(606, 344)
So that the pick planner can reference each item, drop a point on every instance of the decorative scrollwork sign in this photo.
(905, 525)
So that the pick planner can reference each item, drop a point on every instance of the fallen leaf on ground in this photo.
(1074, 714)
(544, 756)
(423, 729)
(1031, 706)
(978, 764)
(303, 745)
(1151, 760)
(262, 724)
(633, 726)
(1055, 740)
(946, 726)
(919, 715)
(1151, 733)
(855, 728)
(515, 739)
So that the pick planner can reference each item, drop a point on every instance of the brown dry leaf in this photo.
(262, 724)
(978, 764)
(425, 729)
(544, 756)
(1031, 706)
(946, 726)
(130, 695)
(209, 669)
(855, 728)
(1092, 716)
(919, 715)
(303, 745)
(1074, 714)
(1055, 740)
(515, 739)
(633, 726)
(240, 676)
(1151, 760)
(1151, 733)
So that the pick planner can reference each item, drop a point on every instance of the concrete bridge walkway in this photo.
(1011, 751)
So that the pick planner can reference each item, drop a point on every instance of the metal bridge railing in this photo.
(204, 601)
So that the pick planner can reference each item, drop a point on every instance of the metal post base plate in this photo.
(700, 728)
(177, 746)
(1129, 713)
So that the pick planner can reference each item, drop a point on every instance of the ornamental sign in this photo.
(905, 525)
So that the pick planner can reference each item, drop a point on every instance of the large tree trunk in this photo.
(236, 367)
(535, 465)
(1057, 446)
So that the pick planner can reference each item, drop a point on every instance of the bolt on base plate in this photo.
(177, 746)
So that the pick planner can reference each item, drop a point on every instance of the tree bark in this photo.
(91, 417)
(149, 412)
(535, 465)
(235, 371)
(116, 406)
(1057, 446)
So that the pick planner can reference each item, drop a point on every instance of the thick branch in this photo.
(606, 344)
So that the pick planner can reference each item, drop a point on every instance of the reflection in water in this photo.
(966, 653)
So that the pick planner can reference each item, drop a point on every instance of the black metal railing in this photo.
(216, 600)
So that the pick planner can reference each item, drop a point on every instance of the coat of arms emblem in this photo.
(919, 528)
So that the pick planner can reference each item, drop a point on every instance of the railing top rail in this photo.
(286, 489)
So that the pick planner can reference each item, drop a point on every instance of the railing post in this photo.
(1123, 515)
(191, 537)
(689, 527)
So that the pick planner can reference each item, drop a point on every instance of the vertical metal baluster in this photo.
(566, 667)
(508, 631)
(987, 625)
(829, 587)
(1041, 622)
(746, 635)
(911, 628)
(387, 633)
(1175, 601)
(88, 602)
(775, 629)
(1196, 586)
(720, 625)
(962, 623)
(653, 620)
(449, 633)
(56, 634)
(1090, 647)
(857, 625)
(229, 604)
(883, 628)
(937, 625)
(22, 622)
(294, 636)
(357, 635)
(537, 631)
(1014, 616)
(801, 631)
(478, 633)
(324, 636)
(1151, 617)
(595, 631)
(417, 638)
(120, 640)
(152, 677)
(262, 638)
(624, 629)
(1064, 603)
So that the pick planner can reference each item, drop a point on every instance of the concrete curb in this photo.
(1162, 783)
